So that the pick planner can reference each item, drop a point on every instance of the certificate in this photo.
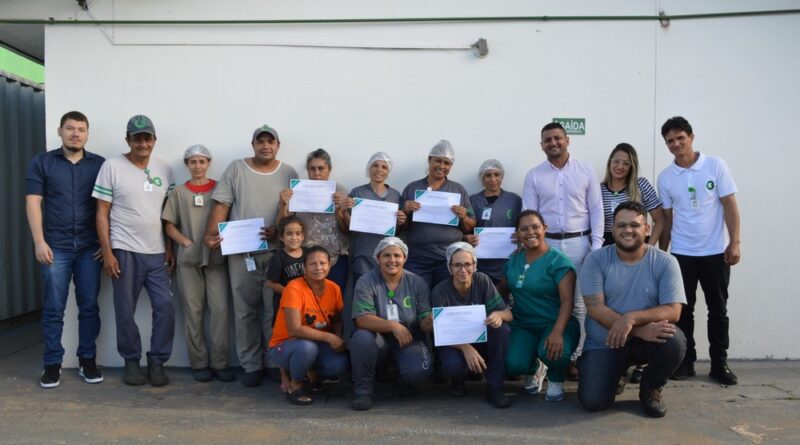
(435, 207)
(312, 196)
(242, 236)
(372, 216)
(494, 242)
(459, 325)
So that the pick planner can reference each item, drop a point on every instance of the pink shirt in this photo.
(568, 198)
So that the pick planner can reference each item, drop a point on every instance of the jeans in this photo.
(600, 369)
(298, 356)
(80, 267)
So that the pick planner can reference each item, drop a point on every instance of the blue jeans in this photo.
(80, 267)
(297, 356)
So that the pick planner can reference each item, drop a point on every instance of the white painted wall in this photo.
(734, 79)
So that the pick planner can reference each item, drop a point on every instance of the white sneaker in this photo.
(533, 383)
(555, 392)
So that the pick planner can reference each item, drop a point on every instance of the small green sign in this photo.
(573, 125)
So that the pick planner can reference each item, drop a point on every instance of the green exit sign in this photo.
(573, 125)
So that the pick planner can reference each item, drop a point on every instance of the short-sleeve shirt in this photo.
(191, 219)
(69, 210)
(412, 297)
(697, 230)
(252, 194)
(481, 292)
(322, 229)
(362, 245)
(284, 268)
(501, 212)
(320, 313)
(653, 281)
(611, 200)
(537, 302)
(135, 216)
(431, 240)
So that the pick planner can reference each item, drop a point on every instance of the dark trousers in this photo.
(493, 352)
(714, 276)
(600, 369)
(369, 350)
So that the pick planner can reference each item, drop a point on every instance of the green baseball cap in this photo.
(265, 129)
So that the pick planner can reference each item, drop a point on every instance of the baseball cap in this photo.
(265, 129)
(140, 124)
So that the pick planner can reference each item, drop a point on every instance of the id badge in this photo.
(487, 214)
(392, 314)
(520, 281)
(695, 204)
(250, 263)
(148, 187)
(198, 200)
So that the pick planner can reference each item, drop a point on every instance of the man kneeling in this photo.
(633, 294)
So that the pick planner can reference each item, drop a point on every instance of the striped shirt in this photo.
(611, 200)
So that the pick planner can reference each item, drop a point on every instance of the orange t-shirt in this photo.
(318, 313)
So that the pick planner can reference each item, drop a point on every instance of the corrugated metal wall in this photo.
(22, 135)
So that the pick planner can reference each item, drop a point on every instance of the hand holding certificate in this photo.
(435, 207)
(242, 236)
(459, 325)
(372, 216)
(312, 196)
(494, 242)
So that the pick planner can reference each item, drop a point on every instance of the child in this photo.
(286, 265)
(202, 274)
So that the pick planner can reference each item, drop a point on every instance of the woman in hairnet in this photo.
(493, 207)
(427, 242)
(392, 310)
(468, 287)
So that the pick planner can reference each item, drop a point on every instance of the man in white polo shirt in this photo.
(700, 202)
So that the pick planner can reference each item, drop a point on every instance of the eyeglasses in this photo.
(458, 266)
(623, 226)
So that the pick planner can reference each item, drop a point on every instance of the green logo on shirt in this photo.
(510, 214)
(407, 302)
(157, 181)
(710, 185)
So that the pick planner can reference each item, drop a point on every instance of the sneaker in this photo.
(534, 383)
(621, 385)
(89, 371)
(636, 375)
(252, 379)
(156, 374)
(497, 398)
(203, 374)
(224, 375)
(723, 374)
(457, 388)
(133, 374)
(555, 391)
(51, 376)
(684, 371)
(361, 402)
(652, 402)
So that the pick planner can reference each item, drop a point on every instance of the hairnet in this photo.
(388, 242)
(443, 149)
(491, 164)
(459, 246)
(195, 150)
(380, 156)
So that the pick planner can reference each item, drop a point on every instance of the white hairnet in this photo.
(380, 156)
(489, 165)
(196, 150)
(443, 149)
(388, 242)
(459, 246)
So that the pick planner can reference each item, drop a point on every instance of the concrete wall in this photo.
(733, 78)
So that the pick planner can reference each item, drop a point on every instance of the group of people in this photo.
(587, 291)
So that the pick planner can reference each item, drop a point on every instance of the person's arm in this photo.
(176, 235)
(467, 223)
(666, 231)
(102, 220)
(343, 204)
(658, 225)
(218, 214)
(283, 206)
(33, 208)
(530, 200)
(594, 203)
(372, 322)
(554, 343)
(620, 325)
(731, 210)
(276, 287)
(496, 318)
(295, 329)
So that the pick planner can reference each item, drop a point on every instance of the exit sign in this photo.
(573, 125)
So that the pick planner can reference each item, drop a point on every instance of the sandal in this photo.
(299, 397)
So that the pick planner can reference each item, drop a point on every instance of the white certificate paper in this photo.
(459, 325)
(494, 242)
(435, 207)
(312, 196)
(372, 216)
(242, 236)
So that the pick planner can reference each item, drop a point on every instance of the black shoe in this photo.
(156, 374)
(89, 371)
(722, 374)
(251, 379)
(636, 375)
(361, 402)
(224, 375)
(621, 385)
(51, 376)
(652, 402)
(203, 374)
(133, 374)
(457, 388)
(684, 371)
(497, 398)
(273, 374)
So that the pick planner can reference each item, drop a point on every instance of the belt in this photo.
(567, 235)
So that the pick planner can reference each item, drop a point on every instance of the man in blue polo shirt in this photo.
(65, 239)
